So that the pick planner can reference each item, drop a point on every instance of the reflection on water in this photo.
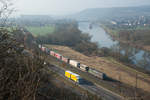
(98, 34)
(139, 57)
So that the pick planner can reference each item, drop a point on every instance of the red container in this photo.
(64, 59)
(58, 56)
(52, 53)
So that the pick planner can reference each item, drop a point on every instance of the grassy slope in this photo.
(110, 66)
(41, 30)
(65, 83)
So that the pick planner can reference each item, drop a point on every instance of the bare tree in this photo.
(6, 9)
(19, 73)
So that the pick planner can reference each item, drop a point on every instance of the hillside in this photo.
(111, 67)
(101, 13)
(23, 74)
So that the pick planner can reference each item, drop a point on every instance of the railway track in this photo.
(89, 86)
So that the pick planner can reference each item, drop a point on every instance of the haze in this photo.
(63, 7)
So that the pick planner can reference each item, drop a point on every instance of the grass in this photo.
(105, 84)
(115, 31)
(126, 67)
(107, 65)
(36, 30)
(110, 31)
(81, 73)
(66, 80)
(44, 30)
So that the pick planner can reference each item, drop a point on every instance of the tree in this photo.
(6, 9)
(19, 73)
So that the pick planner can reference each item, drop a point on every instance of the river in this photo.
(139, 57)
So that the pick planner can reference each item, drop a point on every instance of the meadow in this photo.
(44, 30)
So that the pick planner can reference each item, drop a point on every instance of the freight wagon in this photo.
(58, 56)
(74, 63)
(64, 59)
(84, 67)
(98, 74)
(73, 76)
(52, 53)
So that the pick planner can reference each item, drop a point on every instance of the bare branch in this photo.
(6, 9)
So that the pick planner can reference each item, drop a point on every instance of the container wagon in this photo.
(84, 67)
(74, 63)
(58, 56)
(64, 59)
(52, 53)
(98, 74)
(73, 76)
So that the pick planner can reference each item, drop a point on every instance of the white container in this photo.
(74, 63)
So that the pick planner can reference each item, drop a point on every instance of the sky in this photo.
(64, 7)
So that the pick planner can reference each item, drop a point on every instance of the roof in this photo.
(75, 74)
(69, 71)
(72, 73)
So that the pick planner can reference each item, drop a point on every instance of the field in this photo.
(137, 40)
(109, 66)
(41, 30)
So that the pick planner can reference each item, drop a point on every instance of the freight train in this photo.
(74, 63)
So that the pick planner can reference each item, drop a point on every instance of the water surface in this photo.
(140, 57)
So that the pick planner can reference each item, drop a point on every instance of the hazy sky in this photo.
(60, 7)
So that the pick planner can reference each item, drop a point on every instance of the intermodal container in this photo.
(68, 74)
(64, 59)
(98, 74)
(58, 56)
(74, 63)
(84, 67)
(75, 77)
(52, 53)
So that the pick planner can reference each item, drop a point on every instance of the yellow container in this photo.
(75, 77)
(68, 74)
(72, 76)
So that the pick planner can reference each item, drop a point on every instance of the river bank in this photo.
(114, 36)
(139, 57)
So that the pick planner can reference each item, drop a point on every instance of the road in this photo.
(91, 87)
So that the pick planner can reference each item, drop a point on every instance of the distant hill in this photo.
(101, 13)
(36, 17)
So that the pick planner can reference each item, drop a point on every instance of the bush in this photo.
(19, 74)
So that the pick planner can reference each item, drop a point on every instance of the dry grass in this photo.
(109, 66)
(147, 47)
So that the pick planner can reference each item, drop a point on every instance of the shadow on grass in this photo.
(110, 79)
(85, 82)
